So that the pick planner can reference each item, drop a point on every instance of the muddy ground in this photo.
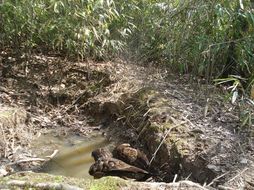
(188, 129)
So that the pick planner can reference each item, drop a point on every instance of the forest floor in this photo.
(48, 93)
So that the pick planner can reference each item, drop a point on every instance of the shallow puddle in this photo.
(74, 153)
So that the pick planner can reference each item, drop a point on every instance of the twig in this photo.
(221, 187)
(186, 185)
(215, 179)
(74, 102)
(53, 154)
(241, 148)
(189, 121)
(31, 160)
(175, 178)
(188, 176)
(5, 141)
(238, 174)
(2, 89)
(169, 130)
(27, 160)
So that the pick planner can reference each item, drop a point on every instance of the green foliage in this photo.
(80, 27)
(205, 38)
(238, 97)
(212, 39)
(107, 183)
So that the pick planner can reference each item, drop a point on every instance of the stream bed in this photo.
(74, 153)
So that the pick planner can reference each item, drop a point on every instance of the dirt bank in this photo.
(187, 130)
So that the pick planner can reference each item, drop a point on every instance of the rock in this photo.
(213, 167)
(3, 172)
(243, 161)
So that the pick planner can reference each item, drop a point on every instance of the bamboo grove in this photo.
(210, 39)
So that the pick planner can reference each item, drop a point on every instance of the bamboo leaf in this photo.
(234, 97)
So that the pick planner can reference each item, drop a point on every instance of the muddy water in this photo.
(74, 153)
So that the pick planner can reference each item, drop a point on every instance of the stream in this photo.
(74, 153)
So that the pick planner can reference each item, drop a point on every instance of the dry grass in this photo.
(14, 131)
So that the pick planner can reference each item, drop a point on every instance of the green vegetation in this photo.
(32, 179)
(206, 38)
(108, 183)
(79, 28)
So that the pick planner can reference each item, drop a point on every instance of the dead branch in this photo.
(221, 187)
(217, 178)
(239, 174)
(53, 155)
(5, 141)
(26, 160)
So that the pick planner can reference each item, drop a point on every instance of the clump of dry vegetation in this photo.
(14, 131)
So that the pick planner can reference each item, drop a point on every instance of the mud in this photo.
(74, 154)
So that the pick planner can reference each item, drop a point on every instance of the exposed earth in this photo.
(189, 131)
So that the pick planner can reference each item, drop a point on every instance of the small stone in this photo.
(3, 172)
(243, 161)
(213, 167)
